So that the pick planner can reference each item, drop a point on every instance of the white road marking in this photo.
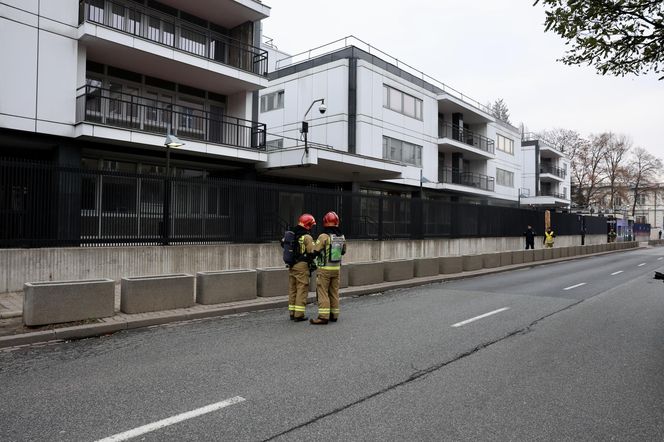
(459, 324)
(642, 264)
(574, 286)
(616, 273)
(172, 420)
(659, 259)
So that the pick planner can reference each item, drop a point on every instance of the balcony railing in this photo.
(175, 33)
(553, 170)
(112, 108)
(451, 176)
(553, 194)
(449, 130)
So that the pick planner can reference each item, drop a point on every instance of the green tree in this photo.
(499, 110)
(618, 37)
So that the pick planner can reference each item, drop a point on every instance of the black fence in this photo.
(44, 205)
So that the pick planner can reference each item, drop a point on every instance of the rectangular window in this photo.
(401, 102)
(641, 199)
(505, 144)
(402, 151)
(641, 219)
(504, 178)
(272, 101)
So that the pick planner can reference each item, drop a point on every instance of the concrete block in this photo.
(272, 281)
(528, 255)
(548, 254)
(472, 262)
(538, 254)
(426, 267)
(365, 273)
(216, 287)
(51, 302)
(517, 256)
(398, 269)
(490, 260)
(450, 264)
(139, 294)
(505, 258)
(343, 277)
(564, 252)
(557, 252)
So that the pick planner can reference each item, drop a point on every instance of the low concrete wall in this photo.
(139, 294)
(490, 260)
(450, 264)
(52, 302)
(272, 281)
(518, 256)
(426, 267)
(398, 269)
(365, 273)
(18, 266)
(506, 258)
(472, 262)
(216, 287)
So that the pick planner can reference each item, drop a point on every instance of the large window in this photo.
(272, 101)
(504, 178)
(641, 199)
(401, 102)
(402, 151)
(505, 144)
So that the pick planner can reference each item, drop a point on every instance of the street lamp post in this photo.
(171, 141)
(305, 126)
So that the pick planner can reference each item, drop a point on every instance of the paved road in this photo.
(567, 351)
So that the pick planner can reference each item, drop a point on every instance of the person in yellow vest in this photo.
(330, 246)
(298, 273)
(548, 238)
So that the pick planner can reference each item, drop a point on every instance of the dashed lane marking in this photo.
(574, 286)
(616, 273)
(642, 264)
(467, 321)
(172, 420)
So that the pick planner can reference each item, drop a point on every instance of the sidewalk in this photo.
(14, 333)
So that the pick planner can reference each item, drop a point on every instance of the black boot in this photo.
(333, 319)
(300, 318)
(318, 321)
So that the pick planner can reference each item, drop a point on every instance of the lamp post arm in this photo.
(320, 100)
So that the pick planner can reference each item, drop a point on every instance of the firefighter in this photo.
(298, 273)
(330, 246)
(548, 238)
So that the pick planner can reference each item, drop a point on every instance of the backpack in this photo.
(337, 243)
(291, 248)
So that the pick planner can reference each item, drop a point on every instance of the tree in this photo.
(642, 172)
(618, 37)
(615, 153)
(499, 110)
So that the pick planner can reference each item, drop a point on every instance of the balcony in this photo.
(482, 145)
(171, 32)
(477, 180)
(553, 194)
(111, 108)
(553, 170)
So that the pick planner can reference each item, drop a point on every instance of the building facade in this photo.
(546, 174)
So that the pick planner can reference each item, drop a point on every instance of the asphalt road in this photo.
(566, 351)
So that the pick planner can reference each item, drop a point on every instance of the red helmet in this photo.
(331, 219)
(307, 221)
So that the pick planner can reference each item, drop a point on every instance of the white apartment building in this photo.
(387, 127)
(99, 83)
(546, 174)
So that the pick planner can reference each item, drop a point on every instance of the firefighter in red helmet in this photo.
(298, 273)
(330, 246)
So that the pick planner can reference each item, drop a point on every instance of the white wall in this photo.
(529, 166)
(505, 161)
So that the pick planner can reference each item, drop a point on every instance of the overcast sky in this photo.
(487, 49)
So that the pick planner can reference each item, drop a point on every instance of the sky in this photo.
(487, 49)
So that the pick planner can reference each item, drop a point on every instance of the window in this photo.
(272, 101)
(504, 178)
(564, 192)
(402, 151)
(617, 201)
(641, 199)
(401, 102)
(641, 219)
(505, 144)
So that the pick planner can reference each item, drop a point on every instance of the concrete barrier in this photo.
(517, 256)
(139, 294)
(52, 302)
(538, 254)
(426, 267)
(216, 287)
(398, 269)
(564, 252)
(490, 260)
(271, 281)
(557, 252)
(528, 255)
(472, 262)
(506, 258)
(450, 264)
(343, 277)
(365, 273)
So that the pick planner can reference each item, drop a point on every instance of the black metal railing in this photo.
(43, 205)
(449, 130)
(553, 170)
(451, 176)
(113, 108)
(553, 194)
(165, 30)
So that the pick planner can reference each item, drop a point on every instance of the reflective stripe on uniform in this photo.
(334, 310)
(330, 267)
(291, 307)
(323, 310)
(300, 308)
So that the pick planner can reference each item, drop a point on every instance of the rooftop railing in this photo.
(477, 180)
(112, 108)
(449, 130)
(532, 136)
(173, 32)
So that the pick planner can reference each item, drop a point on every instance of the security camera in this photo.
(322, 108)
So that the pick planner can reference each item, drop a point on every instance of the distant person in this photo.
(660, 234)
(549, 235)
(530, 237)
(612, 235)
